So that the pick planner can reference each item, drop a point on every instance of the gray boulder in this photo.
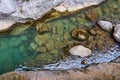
(116, 33)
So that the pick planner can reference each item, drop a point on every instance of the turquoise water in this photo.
(15, 49)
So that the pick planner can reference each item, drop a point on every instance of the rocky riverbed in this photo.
(60, 40)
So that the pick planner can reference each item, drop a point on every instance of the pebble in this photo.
(80, 34)
(80, 50)
(105, 25)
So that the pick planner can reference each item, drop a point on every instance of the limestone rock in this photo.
(73, 5)
(60, 8)
(7, 6)
(105, 25)
(116, 33)
(34, 9)
(80, 50)
(22, 11)
(5, 25)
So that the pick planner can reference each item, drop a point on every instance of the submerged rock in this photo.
(44, 58)
(42, 28)
(116, 33)
(105, 25)
(80, 34)
(94, 14)
(80, 50)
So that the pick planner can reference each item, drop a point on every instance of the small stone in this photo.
(116, 33)
(66, 35)
(49, 45)
(92, 32)
(33, 45)
(59, 44)
(23, 38)
(80, 34)
(83, 62)
(42, 28)
(40, 39)
(29, 62)
(73, 19)
(44, 58)
(105, 25)
(41, 49)
(80, 50)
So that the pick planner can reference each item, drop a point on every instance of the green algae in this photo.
(24, 45)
